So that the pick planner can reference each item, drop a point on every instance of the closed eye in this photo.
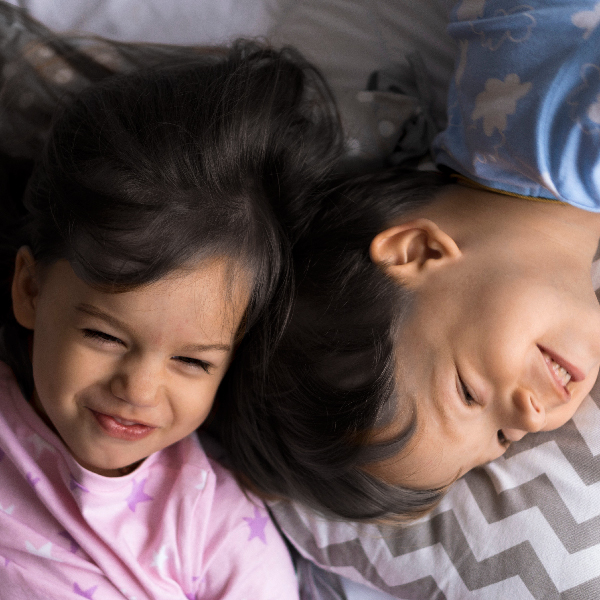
(465, 394)
(194, 363)
(101, 336)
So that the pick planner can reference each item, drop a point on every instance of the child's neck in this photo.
(468, 215)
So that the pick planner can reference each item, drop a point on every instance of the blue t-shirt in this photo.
(524, 103)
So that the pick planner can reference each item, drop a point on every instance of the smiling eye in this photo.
(194, 363)
(101, 336)
(503, 441)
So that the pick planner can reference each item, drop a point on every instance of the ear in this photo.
(25, 288)
(410, 251)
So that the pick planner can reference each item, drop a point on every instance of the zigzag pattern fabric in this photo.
(526, 526)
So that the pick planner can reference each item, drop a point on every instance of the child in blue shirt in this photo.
(442, 316)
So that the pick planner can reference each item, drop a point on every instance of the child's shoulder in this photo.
(244, 537)
(231, 511)
(199, 466)
(226, 490)
(238, 534)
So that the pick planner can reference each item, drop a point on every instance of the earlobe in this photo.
(25, 288)
(412, 250)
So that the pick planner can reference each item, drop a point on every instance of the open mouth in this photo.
(562, 371)
(561, 374)
(124, 422)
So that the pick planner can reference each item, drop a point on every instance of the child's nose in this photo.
(137, 382)
(527, 413)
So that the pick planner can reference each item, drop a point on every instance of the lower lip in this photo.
(117, 430)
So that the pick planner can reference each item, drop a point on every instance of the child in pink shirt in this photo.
(152, 250)
(178, 526)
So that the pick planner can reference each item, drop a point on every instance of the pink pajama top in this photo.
(177, 527)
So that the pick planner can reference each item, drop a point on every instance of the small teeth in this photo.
(562, 374)
(123, 422)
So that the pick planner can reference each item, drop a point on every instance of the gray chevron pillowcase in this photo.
(526, 526)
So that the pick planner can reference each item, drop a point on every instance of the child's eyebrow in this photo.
(204, 347)
(94, 311)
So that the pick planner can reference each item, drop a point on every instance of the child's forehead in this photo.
(209, 293)
(231, 274)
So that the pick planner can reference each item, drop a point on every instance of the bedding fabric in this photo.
(172, 22)
(346, 39)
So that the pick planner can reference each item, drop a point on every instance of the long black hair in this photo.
(307, 432)
(205, 153)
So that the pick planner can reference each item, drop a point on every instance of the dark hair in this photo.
(307, 433)
(206, 154)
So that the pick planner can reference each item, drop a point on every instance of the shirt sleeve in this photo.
(524, 102)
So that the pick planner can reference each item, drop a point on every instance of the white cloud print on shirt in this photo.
(587, 19)
(497, 101)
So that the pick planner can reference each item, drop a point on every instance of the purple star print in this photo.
(257, 525)
(74, 545)
(84, 593)
(32, 481)
(137, 495)
(75, 485)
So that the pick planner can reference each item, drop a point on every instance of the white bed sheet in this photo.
(346, 39)
(160, 21)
